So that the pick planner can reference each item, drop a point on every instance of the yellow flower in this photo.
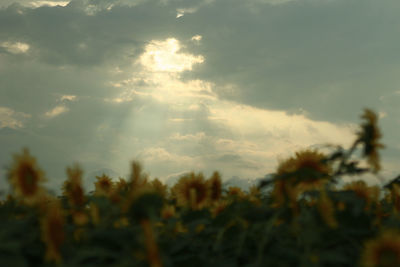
(307, 160)
(215, 185)
(370, 135)
(370, 194)
(160, 188)
(218, 207)
(104, 186)
(192, 191)
(283, 191)
(291, 182)
(52, 228)
(168, 211)
(26, 178)
(236, 192)
(80, 218)
(383, 251)
(72, 187)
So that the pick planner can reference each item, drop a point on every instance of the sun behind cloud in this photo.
(164, 56)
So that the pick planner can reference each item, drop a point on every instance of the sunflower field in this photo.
(299, 216)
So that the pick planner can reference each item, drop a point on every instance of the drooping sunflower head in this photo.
(159, 187)
(383, 251)
(103, 186)
(192, 191)
(26, 178)
(72, 187)
(369, 136)
(306, 169)
(215, 184)
(237, 192)
(52, 228)
(370, 194)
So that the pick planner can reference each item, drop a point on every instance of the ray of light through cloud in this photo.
(203, 85)
(255, 137)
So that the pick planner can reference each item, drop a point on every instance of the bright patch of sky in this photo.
(15, 48)
(37, 4)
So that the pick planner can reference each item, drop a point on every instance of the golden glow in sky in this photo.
(163, 56)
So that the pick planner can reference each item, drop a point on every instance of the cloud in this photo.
(68, 98)
(196, 38)
(188, 137)
(165, 56)
(12, 119)
(15, 48)
(58, 110)
(36, 4)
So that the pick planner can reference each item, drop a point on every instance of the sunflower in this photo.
(383, 251)
(52, 228)
(235, 191)
(26, 177)
(119, 190)
(104, 186)
(369, 136)
(311, 163)
(72, 187)
(159, 187)
(168, 211)
(215, 185)
(192, 191)
(304, 172)
(370, 194)
(218, 207)
(284, 192)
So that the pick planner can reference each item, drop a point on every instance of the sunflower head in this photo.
(370, 194)
(26, 178)
(103, 185)
(72, 187)
(305, 171)
(369, 136)
(159, 187)
(235, 191)
(168, 211)
(52, 228)
(215, 185)
(218, 207)
(192, 191)
(383, 251)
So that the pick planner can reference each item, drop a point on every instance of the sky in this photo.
(202, 85)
